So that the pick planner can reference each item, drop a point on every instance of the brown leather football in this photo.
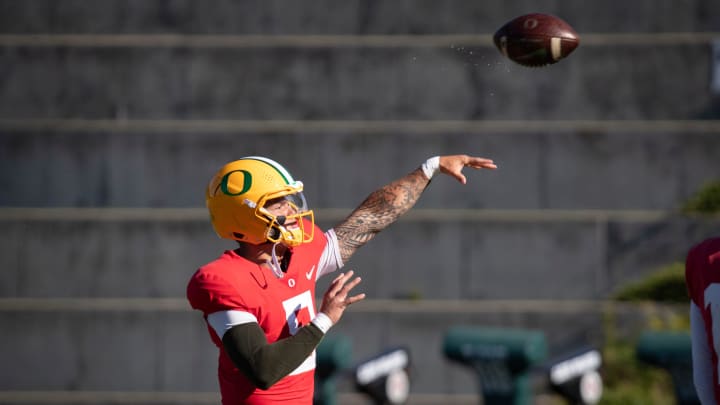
(536, 39)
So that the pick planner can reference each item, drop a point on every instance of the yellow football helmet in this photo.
(237, 195)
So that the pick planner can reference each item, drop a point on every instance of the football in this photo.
(536, 39)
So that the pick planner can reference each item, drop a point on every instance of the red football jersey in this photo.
(280, 305)
(702, 273)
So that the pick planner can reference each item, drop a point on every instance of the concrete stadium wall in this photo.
(94, 113)
(170, 350)
(543, 169)
(606, 82)
(350, 17)
(463, 258)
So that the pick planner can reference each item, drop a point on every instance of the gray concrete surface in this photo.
(608, 81)
(543, 169)
(169, 350)
(423, 258)
(628, 122)
(352, 17)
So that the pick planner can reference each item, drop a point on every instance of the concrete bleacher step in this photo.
(146, 80)
(133, 105)
(116, 119)
(547, 165)
(429, 254)
(126, 348)
(350, 17)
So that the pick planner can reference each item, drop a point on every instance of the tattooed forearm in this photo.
(380, 209)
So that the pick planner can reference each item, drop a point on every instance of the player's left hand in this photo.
(453, 165)
(337, 298)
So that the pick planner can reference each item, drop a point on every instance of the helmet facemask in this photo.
(286, 229)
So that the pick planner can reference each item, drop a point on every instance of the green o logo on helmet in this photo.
(247, 183)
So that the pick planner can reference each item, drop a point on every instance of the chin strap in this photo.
(274, 264)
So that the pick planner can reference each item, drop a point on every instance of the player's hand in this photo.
(453, 164)
(336, 297)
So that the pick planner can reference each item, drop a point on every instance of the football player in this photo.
(702, 275)
(259, 299)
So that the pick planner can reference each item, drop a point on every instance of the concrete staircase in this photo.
(114, 114)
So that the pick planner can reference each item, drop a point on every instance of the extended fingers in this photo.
(453, 165)
(338, 283)
(336, 299)
(481, 163)
(349, 286)
(340, 288)
(341, 276)
(354, 299)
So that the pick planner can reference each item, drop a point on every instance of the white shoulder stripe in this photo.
(222, 321)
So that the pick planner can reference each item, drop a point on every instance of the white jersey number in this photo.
(299, 311)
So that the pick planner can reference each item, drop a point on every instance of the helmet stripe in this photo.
(275, 165)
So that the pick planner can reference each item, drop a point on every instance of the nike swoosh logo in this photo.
(309, 274)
